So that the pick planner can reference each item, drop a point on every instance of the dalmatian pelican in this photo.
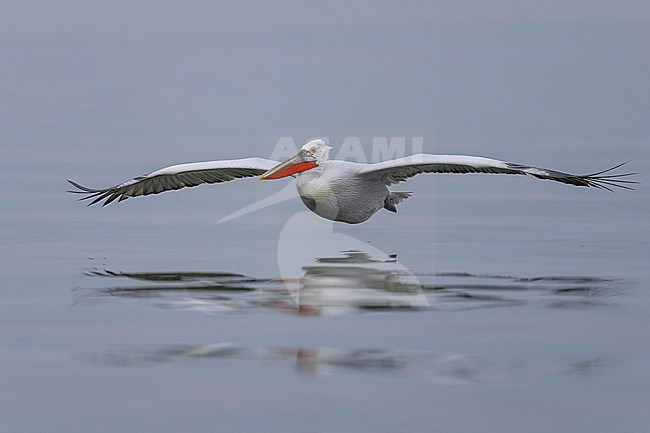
(341, 191)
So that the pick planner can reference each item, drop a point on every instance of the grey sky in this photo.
(175, 81)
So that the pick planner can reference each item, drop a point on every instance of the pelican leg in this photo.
(389, 204)
(393, 199)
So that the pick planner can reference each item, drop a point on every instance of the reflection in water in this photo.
(313, 361)
(347, 274)
(439, 368)
(332, 285)
(462, 291)
(353, 282)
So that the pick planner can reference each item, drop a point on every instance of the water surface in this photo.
(506, 303)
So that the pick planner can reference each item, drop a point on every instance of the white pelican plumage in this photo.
(338, 190)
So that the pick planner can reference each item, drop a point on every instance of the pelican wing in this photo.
(398, 170)
(177, 177)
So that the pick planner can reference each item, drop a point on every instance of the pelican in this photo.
(341, 191)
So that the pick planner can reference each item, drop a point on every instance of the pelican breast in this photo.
(334, 191)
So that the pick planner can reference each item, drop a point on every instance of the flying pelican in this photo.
(338, 190)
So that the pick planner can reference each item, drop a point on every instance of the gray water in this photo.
(488, 303)
(512, 304)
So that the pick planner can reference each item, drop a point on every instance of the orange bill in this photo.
(303, 161)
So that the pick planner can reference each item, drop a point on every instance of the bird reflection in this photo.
(351, 282)
(355, 280)
(448, 368)
(347, 282)
(440, 368)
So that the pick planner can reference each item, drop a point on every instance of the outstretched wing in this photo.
(398, 170)
(177, 177)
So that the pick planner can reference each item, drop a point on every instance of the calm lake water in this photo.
(511, 305)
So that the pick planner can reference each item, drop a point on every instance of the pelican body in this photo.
(338, 190)
(335, 191)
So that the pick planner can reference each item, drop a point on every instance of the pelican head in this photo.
(318, 148)
(312, 154)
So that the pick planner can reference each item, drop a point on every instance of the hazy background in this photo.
(159, 82)
(102, 91)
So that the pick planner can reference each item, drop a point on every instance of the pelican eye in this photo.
(312, 150)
